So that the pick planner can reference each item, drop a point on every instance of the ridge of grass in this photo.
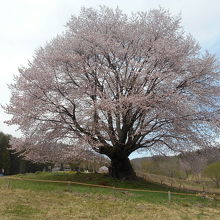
(102, 179)
(99, 179)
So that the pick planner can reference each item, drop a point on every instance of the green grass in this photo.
(29, 198)
(102, 179)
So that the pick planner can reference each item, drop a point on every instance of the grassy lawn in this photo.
(21, 200)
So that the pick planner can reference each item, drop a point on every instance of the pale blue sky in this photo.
(27, 24)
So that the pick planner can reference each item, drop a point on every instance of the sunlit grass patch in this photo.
(20, 210)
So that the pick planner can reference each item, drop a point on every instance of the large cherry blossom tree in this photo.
(114, 84)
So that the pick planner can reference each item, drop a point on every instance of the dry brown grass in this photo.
(20, 204)
(179, 184)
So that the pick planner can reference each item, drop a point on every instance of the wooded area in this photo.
(13, 163)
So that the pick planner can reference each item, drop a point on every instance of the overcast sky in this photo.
(27, 24)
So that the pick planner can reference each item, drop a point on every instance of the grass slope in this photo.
(34, 200)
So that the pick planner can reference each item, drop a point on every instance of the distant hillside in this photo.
(137, 162)
(180, 166)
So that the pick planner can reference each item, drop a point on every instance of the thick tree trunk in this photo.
(121, 167)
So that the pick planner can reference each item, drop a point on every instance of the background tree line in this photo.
(193, 165)
(12, 162)
(90, 166)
